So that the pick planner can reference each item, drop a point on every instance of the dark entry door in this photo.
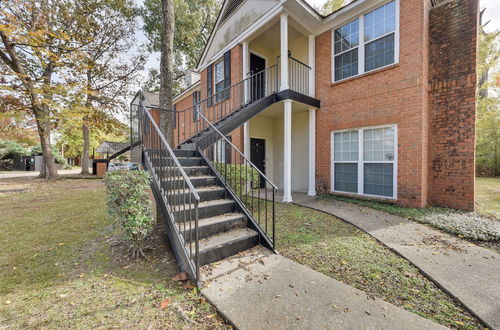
(258, 83)
(258, 157)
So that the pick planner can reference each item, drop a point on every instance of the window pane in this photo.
(346, 177)
(378, 144)
(220, 149)
(218, 88)
(345, 146)
(346, 37)
(378, 179)
(379, 53)
(346, 64)
(219, 71)
(380, 21)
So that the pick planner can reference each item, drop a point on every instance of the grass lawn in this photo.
(482, 226)
(488, 196)
(62, 266)
(339, 250)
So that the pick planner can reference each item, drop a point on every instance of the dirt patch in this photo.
(441, 243)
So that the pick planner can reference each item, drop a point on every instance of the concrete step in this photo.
(197, 181)
(206, 209)
(215, 225)
(197, 170)
(181, 196)
(185, 153)
(226, 244)
(190, 170)
(190, 161)
(188, 146)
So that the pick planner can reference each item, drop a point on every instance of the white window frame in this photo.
(362, 43)
(361, 162)
(215, 92)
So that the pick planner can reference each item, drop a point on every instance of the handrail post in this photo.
(197, 242)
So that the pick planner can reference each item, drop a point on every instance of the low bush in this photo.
(129, 206)
(240, 177)
(10, 149)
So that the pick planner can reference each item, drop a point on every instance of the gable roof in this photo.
(152, 98)
(318, 23)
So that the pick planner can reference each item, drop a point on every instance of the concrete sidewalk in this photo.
(464, 270)
(32, 174)
(261, 290)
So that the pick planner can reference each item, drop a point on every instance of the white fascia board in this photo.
(320, 24)
(271, 14)
(347, 13)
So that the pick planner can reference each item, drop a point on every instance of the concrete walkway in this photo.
(32, 174)
(465, 271)
(261, 290)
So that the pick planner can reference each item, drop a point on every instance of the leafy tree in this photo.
(107, 77)
(108, 129)
(16, 123)
(9, 149)
(194, 20)
(40, 41)
(331, 5)
(152, 85)
(488, 103)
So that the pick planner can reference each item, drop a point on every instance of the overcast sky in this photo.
(492, 14)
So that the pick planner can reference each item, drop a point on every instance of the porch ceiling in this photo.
(276, 109)
(269, 36)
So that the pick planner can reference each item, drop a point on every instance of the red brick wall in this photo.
(394, 95)
(236, 76)
(452, 96)
(185, 125)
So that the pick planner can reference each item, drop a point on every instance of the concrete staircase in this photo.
(223, 231)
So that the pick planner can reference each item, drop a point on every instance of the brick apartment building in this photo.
(376, 100)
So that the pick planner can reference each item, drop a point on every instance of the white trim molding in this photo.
(312, 64)
(246, 68)
(284, 51)
(287, 152)
(312, 152)
(361, 162)
(362, 43)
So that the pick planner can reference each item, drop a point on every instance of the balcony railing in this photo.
(235, 97)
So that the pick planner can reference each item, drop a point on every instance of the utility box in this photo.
(99, 167)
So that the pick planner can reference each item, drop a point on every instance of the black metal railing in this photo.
(225, 102)
(178, 195)
(247, 183)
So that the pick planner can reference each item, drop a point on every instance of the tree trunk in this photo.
(166, 70)
(49, 171)
(86, 145)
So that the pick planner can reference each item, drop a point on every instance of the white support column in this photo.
(312, 64)
(246, 139)
(312, 152)
(246, 69)
(246, 125)
(284, 51)
(287, 161)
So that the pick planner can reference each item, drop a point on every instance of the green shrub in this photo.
(10, 149)
(129, 206)
(238, 176)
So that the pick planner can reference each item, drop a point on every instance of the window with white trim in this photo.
(364, 161)
(366, 43)
(219, 80)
